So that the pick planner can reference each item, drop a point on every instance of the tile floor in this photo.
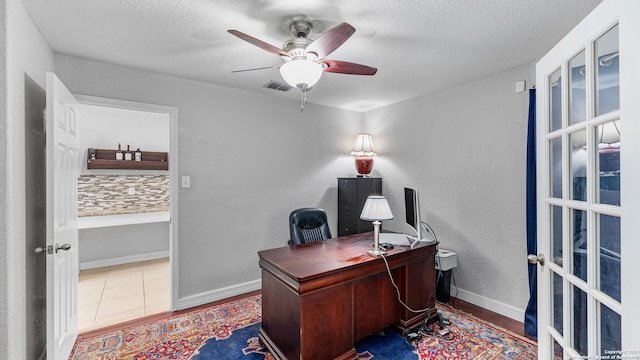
(115, 294)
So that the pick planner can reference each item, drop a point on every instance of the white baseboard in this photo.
(123, 260)
(501, 308)
(493, 305)
(218, 294)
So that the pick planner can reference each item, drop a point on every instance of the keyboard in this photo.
(394, 239)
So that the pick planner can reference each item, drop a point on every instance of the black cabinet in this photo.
(352, 193)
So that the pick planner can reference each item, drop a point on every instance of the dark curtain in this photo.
(531, 313)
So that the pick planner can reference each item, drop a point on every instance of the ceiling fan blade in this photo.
(262, 68)
(259, 43)
(331, 39)
(343, 67)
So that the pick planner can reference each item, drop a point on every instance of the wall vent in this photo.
(274, 85)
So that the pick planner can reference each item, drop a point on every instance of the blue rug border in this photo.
(387, 344)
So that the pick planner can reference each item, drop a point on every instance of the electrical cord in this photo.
(424, 330)
(398, 289)
(409, 337)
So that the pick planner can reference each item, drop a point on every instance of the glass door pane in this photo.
(609, 269)
(580, 322)
(557, 301)
(608, 163)
(577, 89)
(607, 72)
(555, 162)
(555, 100)
(610, 334)
(578, 165)
(579, 244)
(557, 351)
(556, 235)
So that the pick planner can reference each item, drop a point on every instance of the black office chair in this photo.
(308, 225)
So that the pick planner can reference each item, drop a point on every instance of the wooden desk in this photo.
(319, 298)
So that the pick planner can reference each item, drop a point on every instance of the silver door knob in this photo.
(64, 247)
(533, 259)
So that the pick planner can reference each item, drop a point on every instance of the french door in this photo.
(588, 204)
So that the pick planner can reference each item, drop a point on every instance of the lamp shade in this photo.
(609, 133)
(301, 73)
(376, 208)
(363, 146)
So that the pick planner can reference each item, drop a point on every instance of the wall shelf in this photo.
(106, 159)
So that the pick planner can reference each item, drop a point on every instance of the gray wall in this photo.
(107, 245)
(251, 158)
(464, 149)
(4, 220)
(25, 53)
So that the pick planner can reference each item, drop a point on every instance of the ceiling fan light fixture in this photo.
(301, 73)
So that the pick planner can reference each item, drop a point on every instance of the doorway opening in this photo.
(126, 233)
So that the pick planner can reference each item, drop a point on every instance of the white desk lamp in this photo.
(376, 208)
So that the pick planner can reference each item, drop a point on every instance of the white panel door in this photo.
(62, 220)
(588, 197)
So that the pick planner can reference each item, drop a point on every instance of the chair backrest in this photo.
(308, 225)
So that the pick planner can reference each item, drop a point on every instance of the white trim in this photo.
(501, 308)
(630, 228)
(124, 104)
(190, 301)
(123, 260)
(218, 294)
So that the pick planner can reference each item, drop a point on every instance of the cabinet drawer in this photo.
(347, 228)
(348, 210)
(347, 190)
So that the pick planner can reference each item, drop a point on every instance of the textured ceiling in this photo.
(418, 46)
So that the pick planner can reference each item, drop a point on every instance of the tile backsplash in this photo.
(100, 195)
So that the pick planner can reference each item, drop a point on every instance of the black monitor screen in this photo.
(410, 206)
(412, 211)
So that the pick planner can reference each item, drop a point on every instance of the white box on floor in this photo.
(446, 260)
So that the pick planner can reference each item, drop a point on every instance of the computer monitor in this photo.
(412, 212)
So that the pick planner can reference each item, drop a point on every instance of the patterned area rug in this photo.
(230, 331)
(472, 338)
(176, 337)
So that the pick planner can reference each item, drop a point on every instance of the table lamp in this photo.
(364, 151)
(375, 209)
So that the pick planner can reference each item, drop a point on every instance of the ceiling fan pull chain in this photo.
(304, 98)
